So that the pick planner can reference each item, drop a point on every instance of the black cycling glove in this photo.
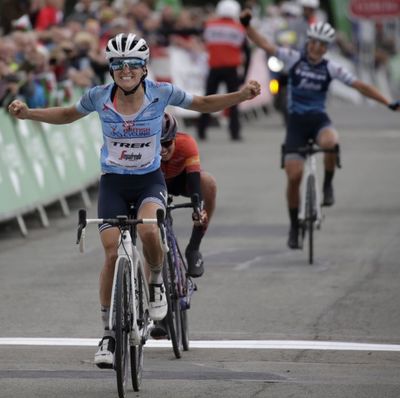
(394, 105)
(245, 21)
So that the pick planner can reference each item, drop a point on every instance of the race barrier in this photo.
(42, 164)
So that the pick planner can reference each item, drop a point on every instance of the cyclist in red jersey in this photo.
(180, 163)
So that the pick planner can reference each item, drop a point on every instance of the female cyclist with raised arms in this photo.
(310, 75)
(131, 110)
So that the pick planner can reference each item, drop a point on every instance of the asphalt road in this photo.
(254, 288)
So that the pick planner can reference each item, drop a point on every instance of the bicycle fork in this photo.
(125, 251)
(310, 168)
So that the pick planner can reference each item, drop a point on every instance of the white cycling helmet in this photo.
(309, 3)
(127, 46)
(322, 31)
(228, 9)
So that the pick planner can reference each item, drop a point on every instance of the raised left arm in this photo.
(370, 92)
(218, 102)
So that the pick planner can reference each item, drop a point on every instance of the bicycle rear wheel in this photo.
(310, 216)
(123, 296)
(142, 321)
(173, 317)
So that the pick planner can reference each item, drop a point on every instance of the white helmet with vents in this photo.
(309, 3)
(127, 46)
(228, 9)
(322, 31)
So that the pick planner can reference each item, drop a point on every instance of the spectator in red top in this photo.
(49, 15)
(180, 164)
(225, 40)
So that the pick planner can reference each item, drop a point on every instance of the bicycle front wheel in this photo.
(185, 284)
(310, 216)
(142, 321)
(173, 317)
(122, 324)
(185, 330)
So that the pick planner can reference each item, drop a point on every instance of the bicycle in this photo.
(129, 315)
(178, 284)
(310, 211)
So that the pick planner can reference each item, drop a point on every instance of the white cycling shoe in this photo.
(158, 306)
(104, 357)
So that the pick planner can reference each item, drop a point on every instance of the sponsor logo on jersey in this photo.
(131, 144)
(130, 156)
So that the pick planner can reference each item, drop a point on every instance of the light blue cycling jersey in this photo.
(132, 142)
(308, 83)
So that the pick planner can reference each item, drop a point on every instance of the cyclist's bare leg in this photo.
(327, 139)
(153, 254)
(109, 239)
(149, 235)
(294, 171)
(209, 191)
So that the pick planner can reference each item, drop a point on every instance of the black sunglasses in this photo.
(167, 144)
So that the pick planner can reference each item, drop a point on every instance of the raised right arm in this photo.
(254, 36)
(54, 115)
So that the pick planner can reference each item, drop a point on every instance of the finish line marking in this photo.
(219, 344)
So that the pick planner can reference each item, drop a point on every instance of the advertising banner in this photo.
(19, 190)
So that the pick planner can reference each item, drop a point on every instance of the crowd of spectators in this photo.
(46, 53)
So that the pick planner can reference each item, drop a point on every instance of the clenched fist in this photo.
(251, 90)
(18, 109)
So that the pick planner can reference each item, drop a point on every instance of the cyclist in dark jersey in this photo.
(310, 75)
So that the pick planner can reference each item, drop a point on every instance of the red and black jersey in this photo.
(185, 158)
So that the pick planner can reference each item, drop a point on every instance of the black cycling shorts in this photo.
(118, 191)
(302, 127)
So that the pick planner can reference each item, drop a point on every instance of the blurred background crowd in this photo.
(51, 48)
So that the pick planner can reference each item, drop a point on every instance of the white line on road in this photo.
(217, 344)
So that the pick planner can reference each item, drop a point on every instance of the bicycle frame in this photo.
(310, 213)
(184, 297)
(127, 249)
(310, 168)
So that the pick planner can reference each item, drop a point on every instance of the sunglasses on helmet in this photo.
(119, 64)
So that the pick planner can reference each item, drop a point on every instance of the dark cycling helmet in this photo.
(169, 128)
(127, 46)
(322, 31)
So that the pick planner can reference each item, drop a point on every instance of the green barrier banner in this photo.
(41, 163)
(92, 127)
(35, 149)
(18, 188)
(73, 157)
